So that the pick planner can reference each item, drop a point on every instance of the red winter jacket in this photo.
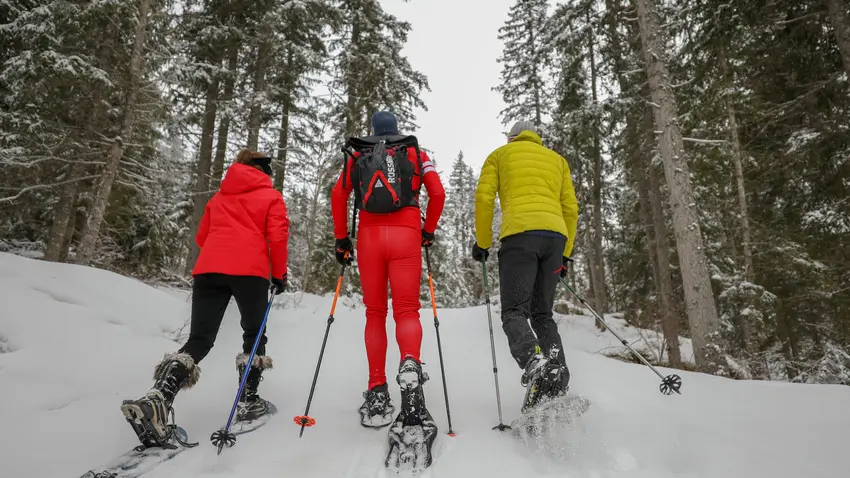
(408, 216)
(245, 227)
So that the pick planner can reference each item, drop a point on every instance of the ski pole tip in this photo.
(304, 421)
(451, 433)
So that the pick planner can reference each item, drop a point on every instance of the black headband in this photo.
(265, 163)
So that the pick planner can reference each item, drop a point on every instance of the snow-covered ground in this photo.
(76, 341)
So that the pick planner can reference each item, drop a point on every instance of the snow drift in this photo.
(75, 341)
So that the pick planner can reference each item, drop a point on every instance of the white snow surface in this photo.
(76, 341)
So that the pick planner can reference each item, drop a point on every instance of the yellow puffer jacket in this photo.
(535, 192)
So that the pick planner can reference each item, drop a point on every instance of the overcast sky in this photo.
(454, 43)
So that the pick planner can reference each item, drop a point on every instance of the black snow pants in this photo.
(211, 294)
(528, 280)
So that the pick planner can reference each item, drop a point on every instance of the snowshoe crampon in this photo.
(142, 459)
(410, 445)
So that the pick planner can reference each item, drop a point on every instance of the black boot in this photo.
(377, 409)
(251, 406)
(411, 380)
(149, 415)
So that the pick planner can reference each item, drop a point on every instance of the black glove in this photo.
(279, 285)
(479, 254)
(565, 266)
(427, 238)
(344, 251)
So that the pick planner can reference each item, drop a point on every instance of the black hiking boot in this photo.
(251, 406)
(149, 415)
(411, 379)
(377, 409)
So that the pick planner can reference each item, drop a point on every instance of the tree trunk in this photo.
(62, 214)
(282, 145)
(841, 28)
(224, 124)
(538, 104)
(91, 231)
(255, 116)
(699, 297)
(352, 111)
(69, 233)
(600, 294)
(738, 163)
(202, 171)
(670, 320)
(283, 137)
(648, 186)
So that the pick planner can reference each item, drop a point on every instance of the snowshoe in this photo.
(544, 379)
(251, 406)
(148, 416)
(414, 430)
(377, 409)
(140, 460)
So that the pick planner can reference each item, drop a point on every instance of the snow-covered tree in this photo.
(524, 63)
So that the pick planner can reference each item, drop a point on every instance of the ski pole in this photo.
(224, 437)
(439, 344)
(305, 420)
(669, 384)
(501, 426)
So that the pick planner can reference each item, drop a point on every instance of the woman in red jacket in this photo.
(389, 249)
(243, 237)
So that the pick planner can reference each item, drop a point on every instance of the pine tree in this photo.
(572, 43)
(370, 72)
(524, 63)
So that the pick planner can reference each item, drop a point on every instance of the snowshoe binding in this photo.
(252, 411)
(414, 430)
(148, 416)
(544, 379)
(377, 409)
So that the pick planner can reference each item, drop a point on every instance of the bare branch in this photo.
(44, 186)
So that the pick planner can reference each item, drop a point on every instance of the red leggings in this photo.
(390, 253)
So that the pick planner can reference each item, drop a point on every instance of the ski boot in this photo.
(149, 415)
(250, 406)
(377, 409)
(414, 430)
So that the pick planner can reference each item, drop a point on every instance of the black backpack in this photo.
(382, 176)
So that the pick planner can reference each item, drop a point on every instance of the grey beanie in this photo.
(521, 126)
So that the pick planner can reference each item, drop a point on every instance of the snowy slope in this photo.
(75, 341)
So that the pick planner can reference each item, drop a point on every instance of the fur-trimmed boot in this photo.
(149, 415)
(251, 406)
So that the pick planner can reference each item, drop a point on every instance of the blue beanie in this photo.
(384, 123)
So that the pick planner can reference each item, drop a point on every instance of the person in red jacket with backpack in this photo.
(386, 175)
(243, 236)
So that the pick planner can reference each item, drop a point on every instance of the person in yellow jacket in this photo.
(539, 219)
